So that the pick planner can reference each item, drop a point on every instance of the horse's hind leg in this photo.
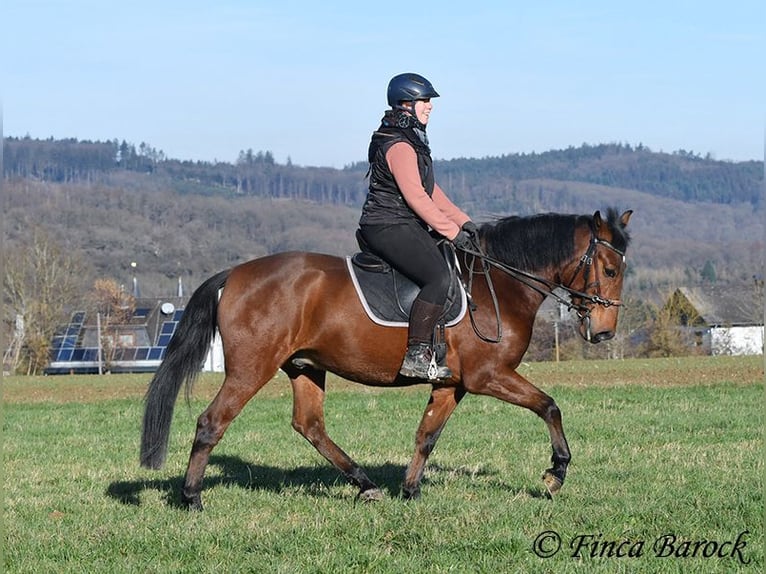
(308, 420)
(440, 406)
(234, 394)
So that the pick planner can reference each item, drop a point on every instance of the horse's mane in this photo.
(543, 240)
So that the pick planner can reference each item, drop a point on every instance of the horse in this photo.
(298, 312)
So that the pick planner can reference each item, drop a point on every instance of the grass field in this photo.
(667, 476)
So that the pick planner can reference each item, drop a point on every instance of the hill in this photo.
(116, 204)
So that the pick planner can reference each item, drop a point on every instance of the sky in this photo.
(306, 80)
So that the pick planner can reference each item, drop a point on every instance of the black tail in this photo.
(184, 358)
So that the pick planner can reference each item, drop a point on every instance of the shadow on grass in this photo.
(494, 482)
(315, 480)
(237, 472)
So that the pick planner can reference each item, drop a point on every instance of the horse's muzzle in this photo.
(602, 336)
(589, 335)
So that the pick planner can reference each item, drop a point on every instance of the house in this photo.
(721, 319)
(86, 344)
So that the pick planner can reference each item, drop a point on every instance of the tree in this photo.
(41, 284)
(671, 331)
(708, 273)
(635, 316)
(114, 307)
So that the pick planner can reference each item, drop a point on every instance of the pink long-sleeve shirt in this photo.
(437, 211)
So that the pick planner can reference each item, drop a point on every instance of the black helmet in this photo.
(409, 87)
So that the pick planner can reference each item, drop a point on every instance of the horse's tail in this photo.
(183, 361)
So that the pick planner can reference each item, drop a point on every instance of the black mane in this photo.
(544, 240)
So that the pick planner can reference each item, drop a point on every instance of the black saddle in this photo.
(387, 295)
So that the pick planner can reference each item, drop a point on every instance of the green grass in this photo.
(660, 447)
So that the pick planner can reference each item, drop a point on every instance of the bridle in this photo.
(585, 301)
(583, 310)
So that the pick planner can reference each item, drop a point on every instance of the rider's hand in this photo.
(463, 241)
(471, 229)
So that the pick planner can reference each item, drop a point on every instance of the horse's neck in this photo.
(523, 295)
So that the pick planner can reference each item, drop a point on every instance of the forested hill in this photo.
(113, 203)
(486, 184)
(681, 175)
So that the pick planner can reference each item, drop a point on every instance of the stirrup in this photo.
(420, 363)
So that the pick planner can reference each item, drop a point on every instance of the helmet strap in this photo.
(403, 107)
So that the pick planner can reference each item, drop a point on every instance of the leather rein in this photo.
(543, 286)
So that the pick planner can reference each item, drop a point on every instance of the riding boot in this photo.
(420, 360)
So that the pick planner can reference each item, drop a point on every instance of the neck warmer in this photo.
(408, 123)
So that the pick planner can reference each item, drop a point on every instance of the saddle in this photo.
(387, 295)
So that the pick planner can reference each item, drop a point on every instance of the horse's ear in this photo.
(597, 221)
(625, 217)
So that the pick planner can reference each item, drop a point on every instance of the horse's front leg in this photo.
(516, 390)
(440, 406)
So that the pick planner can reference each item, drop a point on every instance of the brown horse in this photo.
(299, 312)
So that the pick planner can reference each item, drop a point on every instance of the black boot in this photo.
(420, 360)
(420, 363)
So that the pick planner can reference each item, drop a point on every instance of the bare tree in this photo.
(114, 307)
(42, 283)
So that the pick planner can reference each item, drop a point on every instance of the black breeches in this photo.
(413, 251)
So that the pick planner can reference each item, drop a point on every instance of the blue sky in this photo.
(307, 79)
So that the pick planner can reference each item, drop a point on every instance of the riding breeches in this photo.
(412, 251)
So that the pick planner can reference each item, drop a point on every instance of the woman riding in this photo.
(403, 205)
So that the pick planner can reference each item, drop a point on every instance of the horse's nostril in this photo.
(603, 336)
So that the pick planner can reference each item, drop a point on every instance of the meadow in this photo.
(667, 476)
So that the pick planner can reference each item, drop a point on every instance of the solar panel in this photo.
(141, 313)
(90, 354)
(74, 345)
(168, 328)
(65, 355)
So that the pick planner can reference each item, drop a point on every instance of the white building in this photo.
(723, 319)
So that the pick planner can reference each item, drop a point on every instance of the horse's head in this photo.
(596, 281)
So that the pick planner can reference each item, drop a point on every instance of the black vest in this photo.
(385, 203)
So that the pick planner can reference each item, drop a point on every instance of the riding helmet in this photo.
(409, 87)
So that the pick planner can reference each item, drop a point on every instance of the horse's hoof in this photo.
(552, 483)
(411, 494)
(370, 495)
(192, 504)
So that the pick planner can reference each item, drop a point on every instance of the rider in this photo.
(402, 204)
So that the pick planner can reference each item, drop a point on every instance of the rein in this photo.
(542, 286)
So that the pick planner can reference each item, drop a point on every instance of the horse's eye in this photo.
(610, 272)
